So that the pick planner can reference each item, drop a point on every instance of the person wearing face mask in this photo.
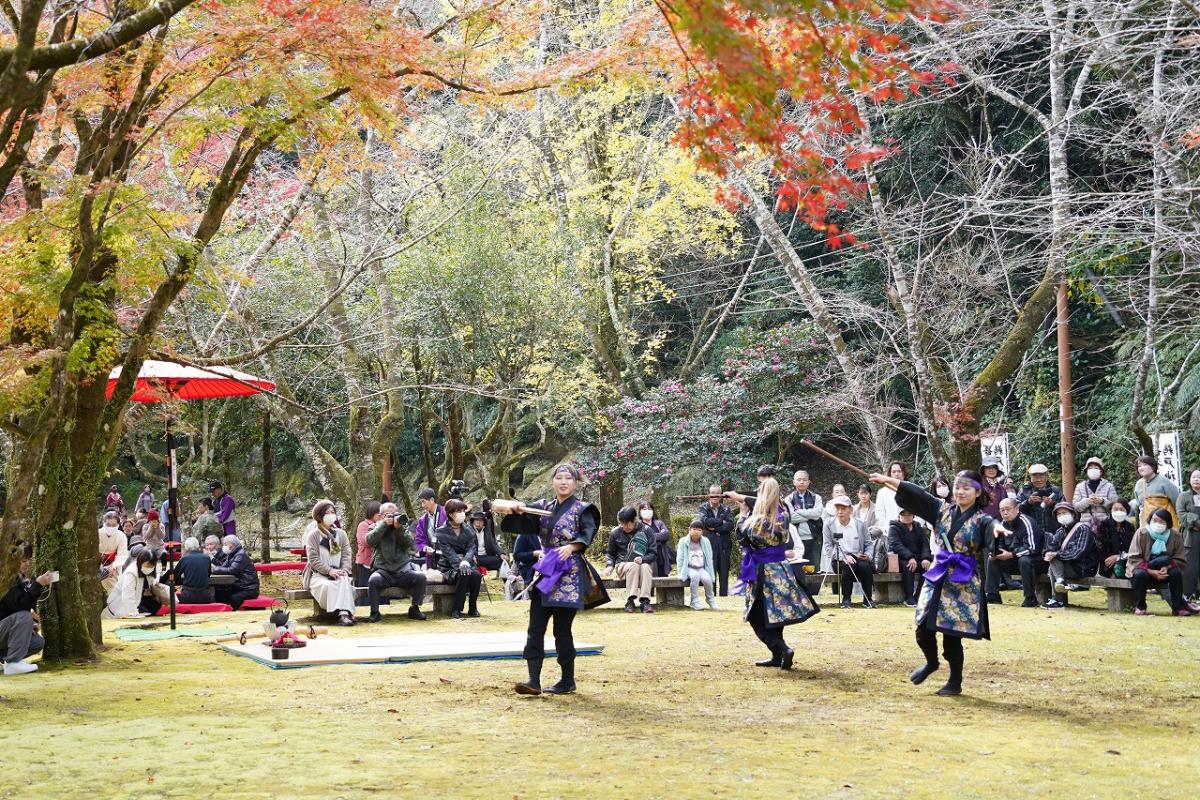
(235, 561)
(718, 529)
(1153, 491)
(1156, 560)
(114, 551)
(1094, 495)
(1071, 552)
(997, 484)
(662, 555)
(327, 574)
(1113, 539)
(1039, 497)
(457, 543)
(134, 595)
(1188, 509)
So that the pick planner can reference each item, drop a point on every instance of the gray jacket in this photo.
(1094, 515)
(855, 541)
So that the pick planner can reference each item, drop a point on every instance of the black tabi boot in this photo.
(534, 684)
(930, 666)
(566, 684)
(954, 683)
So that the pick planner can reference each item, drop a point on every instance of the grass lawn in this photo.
(1065, 705)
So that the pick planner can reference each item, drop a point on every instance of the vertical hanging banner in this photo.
(1167, 452)
(995, 446)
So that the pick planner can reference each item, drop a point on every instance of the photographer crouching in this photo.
(18, 616)
(396, 562)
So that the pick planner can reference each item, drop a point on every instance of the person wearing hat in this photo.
(849, 534)
(153, 535)
(1039, 497)
(997, 484)
(1157, 559)
(223, 506)
(1094, 495)
(1071, 552)
(488, 551)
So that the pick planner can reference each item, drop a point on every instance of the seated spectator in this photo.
(527, 550)
(1156, 560)
(206, 525)
(114, 501)
(630, 555)
(433, 516)
(1018, 549)
(838, 490)
(114, 551)
(867, 512)
(456, 541)
(19, 637)
(488, 552)
(661, 557)
(1113, 539)
(138, 592)
(1039, 497)
(212, 549)
(1187, 506)
(235, 561)
(848, 543)
(327, 573)
(1070, 553)
(910, 542)
(694, 561)
(1093, 497)
(127, 528)
(395, 562)
(372, 513)
(192, 572)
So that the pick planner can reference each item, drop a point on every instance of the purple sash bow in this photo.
(550, 569)
(753, 559)
(959, 566)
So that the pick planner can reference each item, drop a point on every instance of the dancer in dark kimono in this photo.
(952, 600)
(774, 598)
(570, 528)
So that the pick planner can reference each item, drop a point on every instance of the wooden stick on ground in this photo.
(821, 452)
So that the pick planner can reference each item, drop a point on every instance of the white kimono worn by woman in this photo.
(126, 596)
(327, 551)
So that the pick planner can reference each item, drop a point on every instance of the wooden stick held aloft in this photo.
(513, 506)
(821, 452)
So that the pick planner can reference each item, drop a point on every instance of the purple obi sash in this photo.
(960, 567)
(753, 559)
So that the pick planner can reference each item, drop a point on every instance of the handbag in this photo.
(596, 595)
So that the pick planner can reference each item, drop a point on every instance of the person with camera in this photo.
(488, 552)
(631, 558)
(1018, 549)
(717, 519)
(433, 516)
(395, 562)
(848, 543)
(19, 637)
(456, 542)
(1157, 560)
(1039, 497)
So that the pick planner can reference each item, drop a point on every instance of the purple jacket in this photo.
(224, 514)
(421, 532)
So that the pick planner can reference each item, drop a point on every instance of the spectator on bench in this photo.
(1187, 506)
(1093, 497)
(1017, 551)
(372, 513)
(137, 591)
(396, 562)
(488, 552)
(18, 616)
(1039, 497)
(631, 556)
(432, 517)
(235, 561)
(456, 541)
(910, 542)
(1070, 552)
(694, 561)
(1156, 560)
(192, 573)
(850, 534)
(660, 556)
(1114, 538)
(327, 573)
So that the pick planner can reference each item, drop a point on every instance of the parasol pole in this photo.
(172, 514)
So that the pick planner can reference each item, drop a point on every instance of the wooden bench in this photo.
(442, 595)
(1118, 591)
(668, 590)
(888, 587)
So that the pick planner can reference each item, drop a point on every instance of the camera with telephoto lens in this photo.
(398, 516)
(457, 489)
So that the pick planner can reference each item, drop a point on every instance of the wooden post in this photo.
(1065, 421)
(267, 488)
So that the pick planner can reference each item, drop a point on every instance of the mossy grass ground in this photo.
(1065, 704)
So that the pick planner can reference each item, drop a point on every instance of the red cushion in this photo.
(297, 551)
(262, 601)
(195, 608)
(280, 566)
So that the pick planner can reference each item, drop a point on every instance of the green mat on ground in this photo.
(157, 634)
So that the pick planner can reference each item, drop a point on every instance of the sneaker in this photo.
(1183, 612)
(910, 603)
(646, 607)
(416, 613)
(1053, 604)
(19, 668)
(1029, 602)
(474, 612)
(1140, 612)
(868, 603)
(1077, 587)
(844, 604)
(1193, 606)
(695, 605)
(712, 603)
(1061, 588)
(629, 609)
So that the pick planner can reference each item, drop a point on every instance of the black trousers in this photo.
(490, 563)
(385, 579)
(911, 581)
(234, 596)
(952, 649)
(771, 637)
(191, 595)
(535, 635)
(465, 585)
(1026, 566)
(149, 604)
(722, 547)
(864, 571)
(1142, 581)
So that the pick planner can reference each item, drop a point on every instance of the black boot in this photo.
(415, 612)
(929, 648)
(775, 660)
(566, 684)
(534, 684)
(954, 683)
(785, 658)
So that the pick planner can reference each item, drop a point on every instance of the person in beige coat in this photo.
(328, 572)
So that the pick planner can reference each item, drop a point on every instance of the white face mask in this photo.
(1158, 527)
(647, 515)
(228, 549)
(943, 491)
(148, 570)
(329, 519)
(1094, 473)
(458, 517)
(1120, 516)
(1065, 520)
(1012, 495)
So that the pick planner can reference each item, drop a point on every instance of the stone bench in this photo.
(441, 594)
(668, 590)
(1118, 591)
